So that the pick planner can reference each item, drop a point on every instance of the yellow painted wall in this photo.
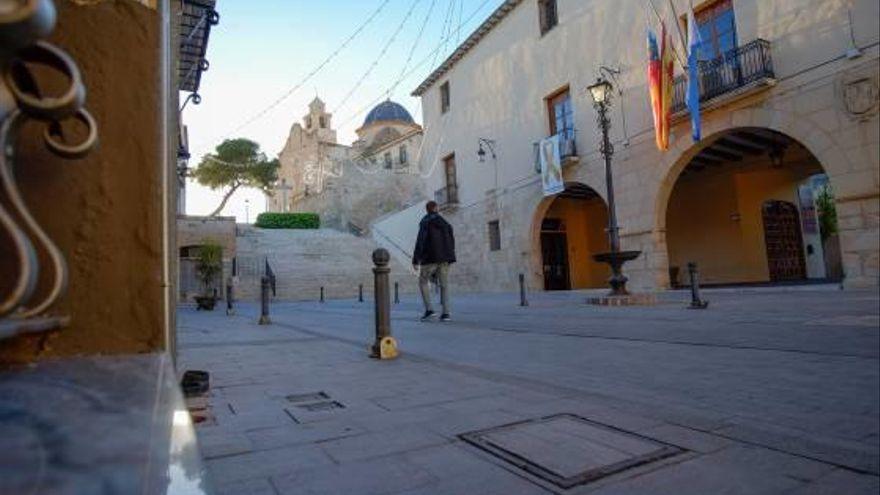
(701, 224)
(585, 223)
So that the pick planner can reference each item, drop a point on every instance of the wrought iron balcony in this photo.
(447, 196)
(568, 152)
(744, 67)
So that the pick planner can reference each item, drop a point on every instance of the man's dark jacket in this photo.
(436, 242)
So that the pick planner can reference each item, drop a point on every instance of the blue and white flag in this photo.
(693, 87)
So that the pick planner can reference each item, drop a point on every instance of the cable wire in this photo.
(379, 57)
(317, 69)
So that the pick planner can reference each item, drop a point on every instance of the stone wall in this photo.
(105, 212)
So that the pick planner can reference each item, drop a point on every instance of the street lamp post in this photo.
(601, 93)
(247, 211)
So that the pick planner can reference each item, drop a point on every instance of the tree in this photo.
(236, 163)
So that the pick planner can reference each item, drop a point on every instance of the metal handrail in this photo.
(737, 68)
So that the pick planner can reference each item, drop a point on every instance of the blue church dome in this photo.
(388, 110)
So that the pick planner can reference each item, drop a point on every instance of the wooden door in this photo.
(785, 246)
(554, 249)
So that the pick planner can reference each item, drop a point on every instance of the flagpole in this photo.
(678, 25)
(660, 18)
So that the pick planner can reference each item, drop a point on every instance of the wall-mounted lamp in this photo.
(489, 143)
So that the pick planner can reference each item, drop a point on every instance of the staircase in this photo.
(306, 260)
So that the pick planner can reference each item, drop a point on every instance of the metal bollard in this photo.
(696, 301)
(385, 347)
(264, 301)
(230, 311)
(522, 291)
(396, 293)
(322, 296)
(361, 293)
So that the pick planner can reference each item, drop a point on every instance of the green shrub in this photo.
(209, 264)
(288, 221)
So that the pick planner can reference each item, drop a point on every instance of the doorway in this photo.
(554, 253)
(782, 236)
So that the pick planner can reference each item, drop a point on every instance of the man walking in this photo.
(435, 251)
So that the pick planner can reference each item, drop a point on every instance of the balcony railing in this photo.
(567, 148)
(447, 196)
(741, 67)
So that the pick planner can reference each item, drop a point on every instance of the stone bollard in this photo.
(696, 301)
(265, 287)
(321, 300)
(396, 293)
(522, 291)
(230, 311)
(385, 347)
(361, 293)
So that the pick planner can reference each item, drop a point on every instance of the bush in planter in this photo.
(288, 221)
(208, 267)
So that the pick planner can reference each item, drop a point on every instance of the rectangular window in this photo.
(403, 157)
(389, 160)
(561, 113)
(451, 179)
(548, 15)
(495, 236)
(445, 100)
(322, 122)
(717, 25)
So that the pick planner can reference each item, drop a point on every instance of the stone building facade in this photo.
(350, 186)
(783, 112)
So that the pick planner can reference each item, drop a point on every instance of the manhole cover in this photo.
(321, 406)
(307, 397)
(568, 450)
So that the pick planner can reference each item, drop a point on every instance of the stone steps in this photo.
(306, 260)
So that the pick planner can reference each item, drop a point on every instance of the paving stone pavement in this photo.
(767, 391)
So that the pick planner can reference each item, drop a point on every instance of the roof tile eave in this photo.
(469, 43)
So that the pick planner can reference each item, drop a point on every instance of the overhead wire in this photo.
(412, 50)
(431, 56)
(380, 56)
(360, 29)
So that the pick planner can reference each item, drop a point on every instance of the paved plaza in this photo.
(767, 391)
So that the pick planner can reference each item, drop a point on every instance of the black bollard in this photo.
(396, 293)
(230, 311)
(522, 291)
(361, 293)
(265, 287)
(696, 301)
(384, 347)
(322, 296)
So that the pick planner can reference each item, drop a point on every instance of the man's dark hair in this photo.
(431, 207)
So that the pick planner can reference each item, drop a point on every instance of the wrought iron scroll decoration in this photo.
(24, 303)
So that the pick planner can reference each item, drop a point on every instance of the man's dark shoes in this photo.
(428, 315)
(445, 317)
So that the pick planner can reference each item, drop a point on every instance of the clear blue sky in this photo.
(262, 49)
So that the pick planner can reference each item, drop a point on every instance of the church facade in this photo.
(350, 186)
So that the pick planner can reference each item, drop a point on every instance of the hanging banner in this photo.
(551, 166)
(655, 87)
(667, 82)
(693, 87)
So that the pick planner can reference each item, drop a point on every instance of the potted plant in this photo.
(208, 267)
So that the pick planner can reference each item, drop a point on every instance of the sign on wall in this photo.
(551, 166)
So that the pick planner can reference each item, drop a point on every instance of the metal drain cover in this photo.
(568, 450)
(311, 397)
(321, 406)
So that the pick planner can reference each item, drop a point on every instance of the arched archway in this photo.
(716, 213)
(568, 229)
